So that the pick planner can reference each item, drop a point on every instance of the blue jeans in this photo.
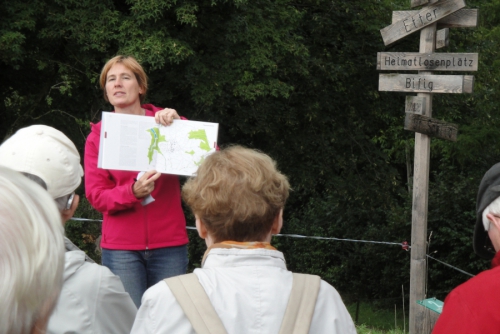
(139, 270)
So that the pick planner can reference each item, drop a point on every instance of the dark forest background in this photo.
(295, 79)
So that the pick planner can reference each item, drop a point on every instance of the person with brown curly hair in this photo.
(243, 285)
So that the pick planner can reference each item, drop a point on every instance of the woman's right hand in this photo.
(146, 184)
(166, 116)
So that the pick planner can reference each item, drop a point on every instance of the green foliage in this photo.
(296, 80)
(363, 329)
(375, 319)
(85, 234)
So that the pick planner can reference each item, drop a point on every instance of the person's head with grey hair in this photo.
(31, 254)
(46, 156)
(487, 230)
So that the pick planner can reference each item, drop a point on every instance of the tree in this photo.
(295, 79)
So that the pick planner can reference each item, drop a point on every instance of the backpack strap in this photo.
(195, 303)
(301, 304)
(200, 312)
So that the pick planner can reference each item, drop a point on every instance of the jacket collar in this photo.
(70, 246)
(496, 260)
(234, 257)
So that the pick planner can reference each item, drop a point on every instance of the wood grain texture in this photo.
(463, 18)
(430, 126)
(415, 3)
(416, 83)
(414, 61)
(416, 105)
(423, 18)
(468, 83)
(443, 38)
(418, 269)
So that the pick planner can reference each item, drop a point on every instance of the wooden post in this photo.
(442, 38)
(432, 127)
(446, 14)
(426, 17)
(426, 83)
(415, 3)
(463, 18)
(418, 268)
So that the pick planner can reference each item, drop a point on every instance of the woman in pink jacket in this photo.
(141, 244)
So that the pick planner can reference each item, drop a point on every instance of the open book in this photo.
(138, 143)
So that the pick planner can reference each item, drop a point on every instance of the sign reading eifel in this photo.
(442, 14)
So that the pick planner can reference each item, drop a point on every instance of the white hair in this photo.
(31, 252)
(61, 202)
(493, 208)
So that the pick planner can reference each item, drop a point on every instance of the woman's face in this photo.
(122, 87)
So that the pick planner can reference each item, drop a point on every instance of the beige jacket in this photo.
(92, 299)
(249, 289)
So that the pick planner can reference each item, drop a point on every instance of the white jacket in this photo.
(249, 289)
(92, 299)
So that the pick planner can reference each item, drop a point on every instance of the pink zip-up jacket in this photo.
(127, 224)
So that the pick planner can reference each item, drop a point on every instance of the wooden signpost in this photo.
(430, 126)
(443, 14)
(463, 18)
(421, 19)
(413, 61)
(442, 38)
(417, 83)
(415, 104)
(415, 3)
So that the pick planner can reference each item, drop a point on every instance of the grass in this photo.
(378, 320)
(362, 329)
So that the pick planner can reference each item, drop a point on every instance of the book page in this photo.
(137, 143)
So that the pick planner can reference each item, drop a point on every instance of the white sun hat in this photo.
(47, 153)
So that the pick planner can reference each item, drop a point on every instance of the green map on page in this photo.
(198, 145)
(137, 143)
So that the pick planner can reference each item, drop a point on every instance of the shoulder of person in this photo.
(95, 129)
(151, 107)
(158, 292)
(480, 285)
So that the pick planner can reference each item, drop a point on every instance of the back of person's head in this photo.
(493, 208)
(487, 202)
(46, 156)
(31, 253)
(237, 193)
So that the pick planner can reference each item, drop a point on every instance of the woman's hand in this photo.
(166, 116)
(146, 184)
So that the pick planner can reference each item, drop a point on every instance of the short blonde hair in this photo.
(237, 193)
(132, 64)
(31, 252)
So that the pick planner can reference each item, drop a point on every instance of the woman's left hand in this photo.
(166, 116)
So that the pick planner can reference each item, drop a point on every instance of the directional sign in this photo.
(426, 16)
(433, 304)
(463, 18)
(426, 83)
(436, 14)
(415, 3)
(412, 61)
(431, 127)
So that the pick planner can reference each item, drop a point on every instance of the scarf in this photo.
(239, 245)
